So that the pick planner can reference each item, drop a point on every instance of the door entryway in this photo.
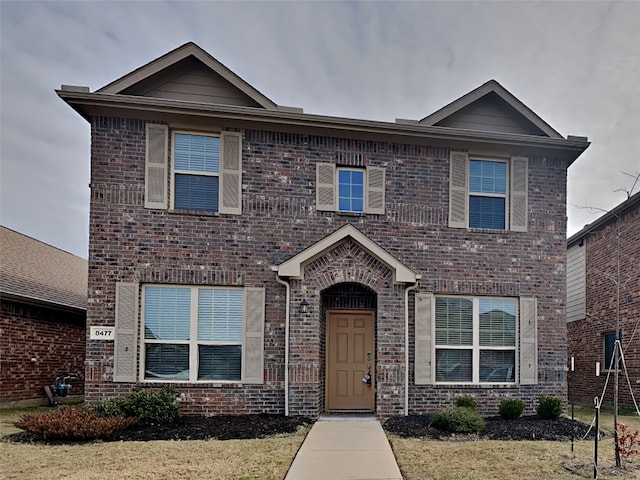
(350, 357)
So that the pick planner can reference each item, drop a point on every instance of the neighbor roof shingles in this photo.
(35, 271)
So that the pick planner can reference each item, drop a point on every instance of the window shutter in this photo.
(253, 345)
(231, 173)
(325, 186)
(375, 191)
(528, 342)
(156, 171)
(126, 325)
(458, 190)
(422, 362)
(519, 181)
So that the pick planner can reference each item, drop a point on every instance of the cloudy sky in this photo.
(576, 64)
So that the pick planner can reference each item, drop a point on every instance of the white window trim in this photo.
(193, 335)
(475, 348)
(506, 195)
(172, 180)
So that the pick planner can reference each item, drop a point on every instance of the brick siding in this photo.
(279, 220)
(55, 339)
(586, 337)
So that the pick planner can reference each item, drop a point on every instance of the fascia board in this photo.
(84, 103)
(293, 267)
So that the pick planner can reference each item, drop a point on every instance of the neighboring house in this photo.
(262, 259)
(593, 310)
(43, 297)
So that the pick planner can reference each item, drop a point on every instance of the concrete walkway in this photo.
(345, 449)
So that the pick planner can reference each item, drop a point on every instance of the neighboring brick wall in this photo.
(55, 339)
(586, 337)
(279, 220)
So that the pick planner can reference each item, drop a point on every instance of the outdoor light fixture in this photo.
(304, 306)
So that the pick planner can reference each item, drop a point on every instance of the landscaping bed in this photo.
(530, 427)
(224, 427)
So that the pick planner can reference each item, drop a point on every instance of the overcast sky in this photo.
(576, 64)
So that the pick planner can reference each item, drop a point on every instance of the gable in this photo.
(491, 108)
(188, 73)
(192, 81)
(490, 114)
(294, 267)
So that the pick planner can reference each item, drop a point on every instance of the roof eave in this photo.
(41, 302)
(84, 103)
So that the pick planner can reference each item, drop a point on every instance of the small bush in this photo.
(511, 408)
(549, 407)
(466, 402)
(458, 420)
(74, 423)
(147, 406)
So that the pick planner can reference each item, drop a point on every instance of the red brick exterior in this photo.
(55, 339)
(586, 337)
(279, 219)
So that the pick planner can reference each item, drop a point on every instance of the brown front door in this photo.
(350, 356)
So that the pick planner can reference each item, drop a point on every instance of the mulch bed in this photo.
(223, 427)
(530, 427)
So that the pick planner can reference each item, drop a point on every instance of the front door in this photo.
(350, 356)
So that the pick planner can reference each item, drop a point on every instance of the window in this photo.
(609, 350)
(488, 193)
(475, 340)
(196, 167)
(204, 171)
(193, 333)
(348, 189)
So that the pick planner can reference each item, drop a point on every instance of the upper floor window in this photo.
(204, 171)
(196, 167)
(350, 189)
(488, 193)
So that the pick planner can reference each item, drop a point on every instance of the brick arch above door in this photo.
(347, 255)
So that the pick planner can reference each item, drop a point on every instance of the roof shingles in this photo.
(35, 271)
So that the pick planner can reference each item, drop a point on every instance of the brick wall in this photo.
(130, 243)
(586, 337)
(56, 340)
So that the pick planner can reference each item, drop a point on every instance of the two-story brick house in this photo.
(603, 285)
(267, 260)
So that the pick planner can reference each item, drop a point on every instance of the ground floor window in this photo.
(609, 350)
(475, 339)
(193, 333)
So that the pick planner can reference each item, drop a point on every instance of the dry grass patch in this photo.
(263, 459)
(496, 460)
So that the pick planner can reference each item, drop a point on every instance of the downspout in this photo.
(406, 343)
(286, 340)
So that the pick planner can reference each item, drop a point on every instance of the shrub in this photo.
(73, 423)
(549, 407)
(466, 402)
(511, 408)
(145, 405)
(628, 442)
(458, 420)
